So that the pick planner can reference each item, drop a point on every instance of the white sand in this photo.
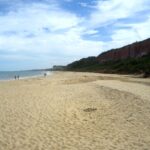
(75, 111)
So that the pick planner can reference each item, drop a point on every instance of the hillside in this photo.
(134, 50)
(134, 58)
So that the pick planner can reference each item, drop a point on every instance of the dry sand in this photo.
(75, 111)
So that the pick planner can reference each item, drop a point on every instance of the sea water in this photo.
(10, 75)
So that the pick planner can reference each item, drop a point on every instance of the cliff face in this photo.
(129, 60)
(134, 50)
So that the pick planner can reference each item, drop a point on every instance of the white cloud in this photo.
(33, 18)
(53, 35)
(128, 33)
(142, 29)
(91, 32)
(63, 35)
(110, 10)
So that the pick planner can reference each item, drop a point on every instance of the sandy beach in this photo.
(75, 111)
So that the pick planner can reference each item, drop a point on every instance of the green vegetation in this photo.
(83, 64)
(126, 66)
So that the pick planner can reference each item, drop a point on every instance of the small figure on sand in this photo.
(45, 74)
(16, 77)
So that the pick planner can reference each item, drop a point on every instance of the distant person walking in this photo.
(18, 77)
(15, 77)
(45, 74)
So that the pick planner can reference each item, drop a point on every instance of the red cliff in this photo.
(134, 50)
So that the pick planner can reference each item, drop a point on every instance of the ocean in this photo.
(10, 75)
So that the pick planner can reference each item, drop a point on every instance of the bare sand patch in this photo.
(75, 111)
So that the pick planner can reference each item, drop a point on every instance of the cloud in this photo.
(87, 5)
(141, 29)
(39, 30)
(45, 31)
(32, 18)
(111, 10)
(109, 15)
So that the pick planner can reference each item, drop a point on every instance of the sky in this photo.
(38, 34)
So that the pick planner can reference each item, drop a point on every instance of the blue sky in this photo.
(43, 33)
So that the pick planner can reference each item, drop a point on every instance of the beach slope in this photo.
(75, 111)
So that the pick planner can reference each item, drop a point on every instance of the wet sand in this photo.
(75, 111)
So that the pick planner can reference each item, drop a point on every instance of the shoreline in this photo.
(27, 77)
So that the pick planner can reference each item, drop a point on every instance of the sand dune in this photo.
(75, 111)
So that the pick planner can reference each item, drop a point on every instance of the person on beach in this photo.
(18, 77)
(15, 77)
(45, 74)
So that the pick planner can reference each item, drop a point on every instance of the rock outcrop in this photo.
(134, 50)
(134, 58)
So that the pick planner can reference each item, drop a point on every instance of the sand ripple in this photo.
(75, 111)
